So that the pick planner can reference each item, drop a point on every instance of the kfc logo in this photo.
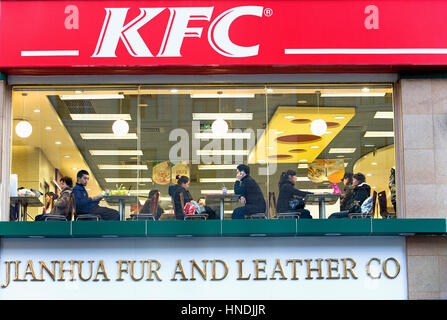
(115, 30)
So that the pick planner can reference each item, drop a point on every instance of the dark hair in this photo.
(360, 177)
(285, 177)
(349, 176)
(68, 181)
(53, 197)
(152, 193)
(182, 179)
(243, 167)
(82, 173)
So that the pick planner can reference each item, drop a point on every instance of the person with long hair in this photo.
(288, 192)
(150, 203)
(50, 197)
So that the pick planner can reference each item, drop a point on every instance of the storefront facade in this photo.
(373, 75)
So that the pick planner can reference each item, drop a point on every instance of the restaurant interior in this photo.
(136, 138)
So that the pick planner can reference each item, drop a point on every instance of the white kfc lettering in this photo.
(114, 30)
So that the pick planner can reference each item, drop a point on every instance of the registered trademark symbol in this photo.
(268, 12)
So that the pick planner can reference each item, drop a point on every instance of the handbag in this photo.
(296, 203)
(191, 208)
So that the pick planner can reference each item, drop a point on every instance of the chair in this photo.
(153, 205)
(83, 216)
(369, 214)
(199, 216)
(280, 215)
(383, 208)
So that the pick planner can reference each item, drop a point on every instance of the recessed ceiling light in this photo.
(369, 145)
(48, 128)
(58, 142)
(279, 132)
(384, 115)
(174, 90)
(302, 101)
(368, 174)
(365, 89)
(74, 168)
(303, 160)
(289, 117)
(36, 110)
(339, 117)
(374, 163)
(67, 156)
(379, 134)
(314, 147)
(269, 90)
(342, 150)
(78, 91)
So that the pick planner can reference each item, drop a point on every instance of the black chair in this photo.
(369, 214)
(280, 215)
(381, 196)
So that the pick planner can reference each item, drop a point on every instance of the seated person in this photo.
(288, 192)
(87, 205)
(360, 193)
(50, 197)
(346, 197)
(66, 184)
(149, 204)
(182, 188)
(250, 192)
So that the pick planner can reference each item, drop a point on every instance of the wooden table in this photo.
(23, 203)
(121, 200)
(222, 198)
(322, 200)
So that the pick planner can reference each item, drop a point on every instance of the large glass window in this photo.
(133, 139)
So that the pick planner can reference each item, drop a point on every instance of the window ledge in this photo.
(226, 228)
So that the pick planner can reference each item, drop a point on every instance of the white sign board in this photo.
(204, 268)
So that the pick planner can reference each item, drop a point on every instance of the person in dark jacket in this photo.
(287, 192)
(59, 208)
(361, 192)
(182, 188)
(250, 192)
(86, 204)
(149, 203)
(348, 192)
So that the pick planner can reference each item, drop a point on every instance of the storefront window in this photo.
(134, 139)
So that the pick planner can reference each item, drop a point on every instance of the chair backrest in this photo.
(272, 205)
(153, 203)
(70, 207)
(373, 208)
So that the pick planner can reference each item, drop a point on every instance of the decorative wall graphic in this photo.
(161, 173)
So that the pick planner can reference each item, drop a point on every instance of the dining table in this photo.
(22, 205)
(321, 199)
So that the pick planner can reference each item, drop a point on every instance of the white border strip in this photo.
(49, 53)
(365, 51)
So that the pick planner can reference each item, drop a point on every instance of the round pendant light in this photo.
(318, 127)
(120, 127)
(219, 127)
(24, 129)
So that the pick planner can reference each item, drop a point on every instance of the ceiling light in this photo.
(98, 136)
(217, 167)
(74, 168)
(379, 134)
(269, 90)
(339, 117)
(48, 128)
(225, 116)
(279, 132)
(99, 116)
(36, 110)
(91, 96)
(222, 152)
(354, 94)
(374, 163)
(289, 117)
(67, 156)
(318, 127)
(24, 129)
(384, 115)
(120, 127)
(116, 152)
(216, 180)
(120, 180)
(369, 145)
(222, 95)
(122, 167)
(230, 135)
(58, 142)
(303, 160)
(78, 91)
(302, 101)
(342, 150)
(314, 147)
(174, 90)
(365, 89)
(219, 127)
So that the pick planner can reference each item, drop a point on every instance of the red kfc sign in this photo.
(222, 33)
